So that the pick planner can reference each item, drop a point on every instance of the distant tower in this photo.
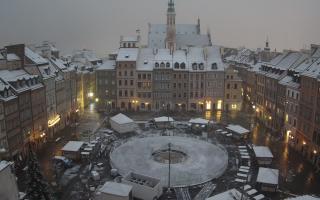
(267, 48)
(198, 26)
(171, 27)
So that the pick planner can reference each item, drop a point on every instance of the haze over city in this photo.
(97, 24)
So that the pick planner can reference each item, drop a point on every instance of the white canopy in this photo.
(198, 121)
(304, 197)
(268, 175)
(227, 195)
(237, 129)
(118, 189)
(121, 119)
(73, 146)
(122, 124)
(163, 119)
(262, 152)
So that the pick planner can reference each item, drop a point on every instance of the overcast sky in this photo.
(98, 24)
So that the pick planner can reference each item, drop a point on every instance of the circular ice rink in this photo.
(193, 161)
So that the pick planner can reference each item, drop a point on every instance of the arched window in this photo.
(194, 66)
(167, 65)
(183, 65)
(156, 65)
(162, 65)
(176, 65)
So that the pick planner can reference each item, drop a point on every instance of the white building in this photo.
(122, 124)
(263, 155)
(143, 187)
(268, 179)
(9, 188)
(114, 191)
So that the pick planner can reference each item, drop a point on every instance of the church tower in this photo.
(171, 27)
(267, 48)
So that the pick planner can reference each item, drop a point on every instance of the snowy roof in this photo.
(12, 57)
(227, 195)
(14, 75)
(117, 189)
(145, 60)
(262, 152)
(199, 121)
(268, 175)
(142, 179)
(73, 146)
(237, 129)
(130, 38)
(3, 165)
(288, 81)
(158, 33)
(163, 119)
(314, 70)
(34, 57)
(107, 65)
(128, 54)
(304, 197)
(121, 119)
(58, 63)
(195, 40)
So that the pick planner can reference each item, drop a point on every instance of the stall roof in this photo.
(73, 146)
(237, 129)
(262, 152)
(117, 189)
(268, 175)
(163, 119)
(198, 121)
(304, 197)
(227, 195)
(121, 119)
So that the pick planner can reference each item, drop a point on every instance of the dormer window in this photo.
(201, 66)
(145, 62)
(182, 65)
(214, 66)
(167, 65)
(156, 65)
(162, 65)
(194, 66)
(176, 65)
(127, 56)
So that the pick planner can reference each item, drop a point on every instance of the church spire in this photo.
(267, 48)
(171, 27)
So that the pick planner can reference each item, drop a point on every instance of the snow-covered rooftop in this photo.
(262, 152)
(73, 146)
(128, 54)
(34, 57)
(3, 165)
(163, 119)
(268, 176)
(304, 197)
(237, 129)
(198, 121)
(107, 65)
(231, 194)
(117, 189)
(12, 57)
(121, 119)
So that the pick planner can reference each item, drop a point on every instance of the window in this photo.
(125, 82)
(119, 73)
(228, 96)
(131, 73)
(228, 86)
(125, 73)
(131, 82)
(131, 93)
(144, 76)
(120, 93)
(125, 93)
(182, 65)
(167, 65)
(119, 82)
(176, 65)
(149, 76)
(194, 66)
(139, 76)
(214, 66)
(201, 66)
(174, 85)
(162, 65)
(235, 86)
(156, 65)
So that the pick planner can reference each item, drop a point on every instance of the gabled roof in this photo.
(128, 54)
(34, 57)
